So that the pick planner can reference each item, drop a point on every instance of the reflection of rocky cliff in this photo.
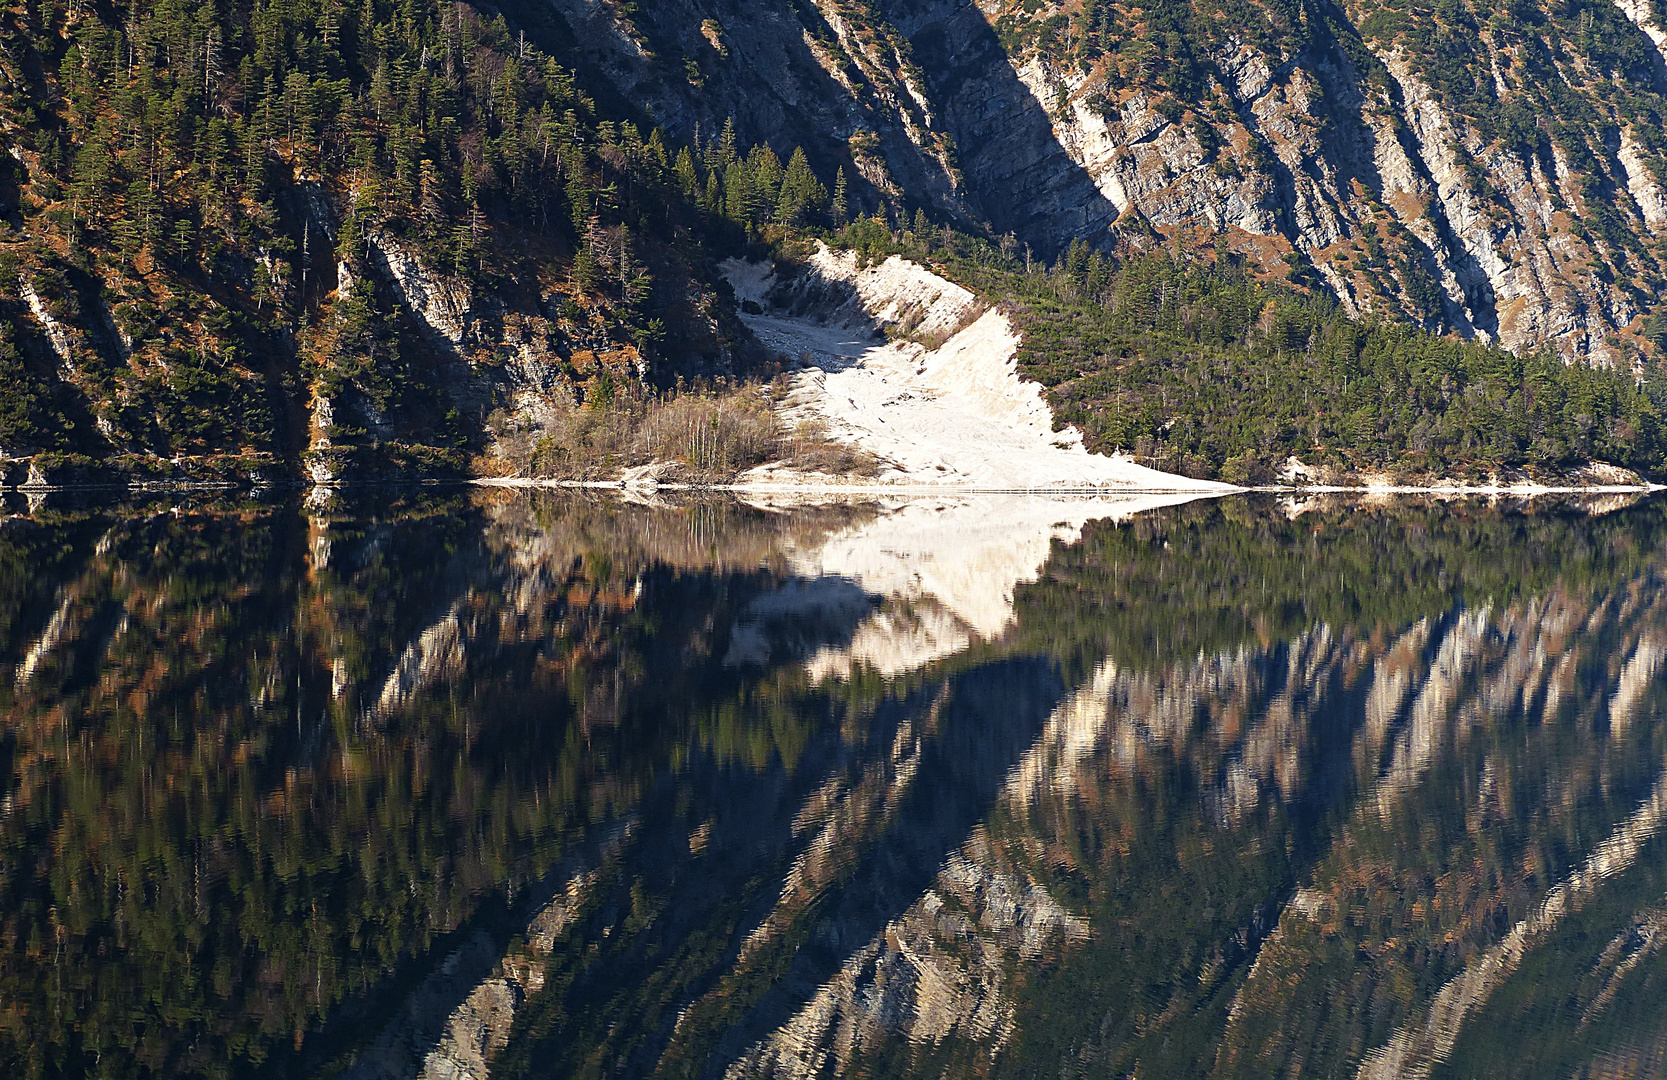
(1220, 783)
(503, 663)
(1165, 816)
(556, 785)
(1441, 889)
(1248, 757)
(257, 692)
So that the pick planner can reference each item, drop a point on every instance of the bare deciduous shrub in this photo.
(716, 436)
(705, 436)
(809, 448)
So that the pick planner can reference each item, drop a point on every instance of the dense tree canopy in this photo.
(205, 191)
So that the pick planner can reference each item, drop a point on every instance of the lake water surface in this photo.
(444, 783)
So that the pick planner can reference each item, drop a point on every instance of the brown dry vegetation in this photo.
(702, 436)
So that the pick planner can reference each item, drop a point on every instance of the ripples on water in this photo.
(567, 786)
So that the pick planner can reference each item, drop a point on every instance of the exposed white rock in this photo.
(56, 332)
(1642, 14)
(324, 417)
(440, 303)
(1641, 183)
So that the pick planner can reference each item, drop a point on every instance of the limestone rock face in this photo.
(443, 304)
(1496, 175)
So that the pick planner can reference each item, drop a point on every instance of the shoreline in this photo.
(856, 488)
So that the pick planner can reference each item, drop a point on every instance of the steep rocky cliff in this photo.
(1497, 173)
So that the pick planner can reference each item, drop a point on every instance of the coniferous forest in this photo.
(215, 216)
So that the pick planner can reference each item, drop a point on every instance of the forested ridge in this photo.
(218, 214)
(1201, 369)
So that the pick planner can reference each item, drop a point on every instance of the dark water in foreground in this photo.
(557, 786)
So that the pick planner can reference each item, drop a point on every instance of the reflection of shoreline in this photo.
(945, 570)
(877, 488)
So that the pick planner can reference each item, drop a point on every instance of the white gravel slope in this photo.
(958, 416)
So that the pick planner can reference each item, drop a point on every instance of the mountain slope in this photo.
(1498, 173)
(303, 239)
(294, 235)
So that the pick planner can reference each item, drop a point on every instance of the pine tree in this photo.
(801, 191)
(688, 181)
(727, 151)
(585, 269)
(841, 208)
(431, 197)
(739, 194)
(713, 201)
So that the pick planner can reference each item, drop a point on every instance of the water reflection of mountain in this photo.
(585, 788)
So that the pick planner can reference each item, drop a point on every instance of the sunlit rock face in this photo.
(1499, 174)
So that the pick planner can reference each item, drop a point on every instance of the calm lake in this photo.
(449, 783)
